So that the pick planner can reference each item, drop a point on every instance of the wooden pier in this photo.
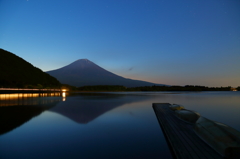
(180, 135)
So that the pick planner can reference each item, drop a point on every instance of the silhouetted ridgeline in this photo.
(181, 88)
(103, 88)
(153, 88)
(16, 72)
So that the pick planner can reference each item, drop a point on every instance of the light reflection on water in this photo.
(17, 109)
(26, 98)
(104, 125)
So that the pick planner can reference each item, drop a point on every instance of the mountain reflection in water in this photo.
(119, 124)
(17, 109)
(87, 107)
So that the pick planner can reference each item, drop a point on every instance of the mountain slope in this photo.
(84, 72)
(16, 72)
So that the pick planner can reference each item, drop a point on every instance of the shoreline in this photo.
(52, 91)
(28, 91)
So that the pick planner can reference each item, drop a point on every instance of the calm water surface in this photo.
(99, 125)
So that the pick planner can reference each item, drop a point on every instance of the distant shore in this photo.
(22, 90)
(118, 88)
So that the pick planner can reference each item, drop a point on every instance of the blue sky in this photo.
(171, 42)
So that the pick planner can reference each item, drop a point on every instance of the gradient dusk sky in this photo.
(175, 42)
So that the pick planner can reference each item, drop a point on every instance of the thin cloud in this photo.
(130, 69)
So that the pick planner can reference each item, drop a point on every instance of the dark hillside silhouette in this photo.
(16, 72)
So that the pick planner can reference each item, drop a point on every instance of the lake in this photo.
(99, 125)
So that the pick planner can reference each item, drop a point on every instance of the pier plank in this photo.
(181, 137)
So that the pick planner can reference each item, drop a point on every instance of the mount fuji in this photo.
(83, 72)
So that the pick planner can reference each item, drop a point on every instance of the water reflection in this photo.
(63, 96)
(87, 107)
(24, 98)
(17, 109)
(119, 125)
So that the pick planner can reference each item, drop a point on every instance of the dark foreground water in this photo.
(99, 125)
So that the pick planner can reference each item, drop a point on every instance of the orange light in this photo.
(64, 94)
